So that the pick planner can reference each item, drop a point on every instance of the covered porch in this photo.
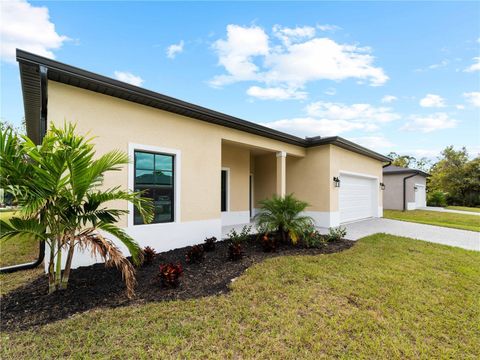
(248, 175)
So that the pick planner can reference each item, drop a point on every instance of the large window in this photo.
(154, 174)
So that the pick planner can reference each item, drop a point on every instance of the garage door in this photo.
(356, 198)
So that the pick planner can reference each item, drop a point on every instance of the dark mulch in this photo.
(98, 287)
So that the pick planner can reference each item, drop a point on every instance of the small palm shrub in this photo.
(437, 198)
(311, 238)
(283, 214)
(196, 254)
(149, 255)
(336, 233)
(235, 249)
(269, 243)
(169, 274)
(209, 244)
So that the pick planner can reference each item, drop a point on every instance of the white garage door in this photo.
(356, 198)
(420, 196)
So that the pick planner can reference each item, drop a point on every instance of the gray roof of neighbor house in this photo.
(30, 76)
(393, 170)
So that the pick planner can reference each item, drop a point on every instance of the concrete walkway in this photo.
(469, 240)
(440, 209)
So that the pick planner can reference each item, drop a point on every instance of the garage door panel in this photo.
(356, 198)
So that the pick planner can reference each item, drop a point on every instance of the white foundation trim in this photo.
(177, 178)
(411, 205)
(324, 218)
(235, 217)
(380, 211)
(161, 237)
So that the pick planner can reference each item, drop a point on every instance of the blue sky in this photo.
(401, 77)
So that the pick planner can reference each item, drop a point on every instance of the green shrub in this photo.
(437, 198)
(283, 214)
(336, 233)
(238, 238)
(311, 238)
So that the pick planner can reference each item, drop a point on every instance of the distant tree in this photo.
(408, 161)
(457, 176)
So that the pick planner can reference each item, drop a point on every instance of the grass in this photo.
(464, 208)
(387, 297)
(451, 220)
(17, 250)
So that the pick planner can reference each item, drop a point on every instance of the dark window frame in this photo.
(172, 186)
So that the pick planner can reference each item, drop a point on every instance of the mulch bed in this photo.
(95, 286)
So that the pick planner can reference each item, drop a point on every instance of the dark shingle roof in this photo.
(393, 169)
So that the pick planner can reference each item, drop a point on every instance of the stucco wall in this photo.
(265, 177)
(115, 123)
(237, 159)
(393, 193)
(308, 177)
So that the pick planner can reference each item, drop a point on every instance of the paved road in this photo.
(440, 209)
(469, 240)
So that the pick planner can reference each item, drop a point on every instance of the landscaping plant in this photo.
(336, 233)
(170, 274)
(58, 187)
(235, 249)
(311, 238)
(149, 255)
(283, 214)
(196, 254)
(209, 244)
(437, 198)
(269, 243)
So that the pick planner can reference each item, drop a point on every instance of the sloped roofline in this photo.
(33, 66)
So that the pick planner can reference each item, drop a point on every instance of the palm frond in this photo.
(19, 227)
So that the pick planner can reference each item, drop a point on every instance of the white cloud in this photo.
(460, 107)
(330, 91)
(275, 93)
(236, 53)
(389, 99)
(429, 123)
(28, 28)
(309, 126)
(128, 78)
(441, 64)
(374, 142)
(292, 35)
(432, 100)
(473, 98)
(175, 49)
(249, 54)
(355, 112)
(475, 66)
(328, 27)
(326, 119)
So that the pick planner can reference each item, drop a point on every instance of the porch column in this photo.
(281, 173)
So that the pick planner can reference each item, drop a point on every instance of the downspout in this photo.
(405, 189)
(43, 130)
(387, 164)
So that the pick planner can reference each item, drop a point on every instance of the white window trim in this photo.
(227, 169)
(177, 158)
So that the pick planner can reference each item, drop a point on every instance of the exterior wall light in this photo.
(415, 188)
(382, 186)
(336, 181)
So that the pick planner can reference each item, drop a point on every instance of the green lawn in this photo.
(16, 250)
(464, 208)
(385, 298)
(451, 220)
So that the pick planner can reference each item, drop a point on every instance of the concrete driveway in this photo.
(469, 240)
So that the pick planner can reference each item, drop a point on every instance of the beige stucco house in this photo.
(203, 169)
(405, 188)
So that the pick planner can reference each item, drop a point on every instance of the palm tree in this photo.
(58, 186)
(283, 214)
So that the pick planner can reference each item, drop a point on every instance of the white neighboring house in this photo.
(405, 188)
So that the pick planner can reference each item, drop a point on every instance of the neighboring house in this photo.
(405, 188)
(203, 169)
